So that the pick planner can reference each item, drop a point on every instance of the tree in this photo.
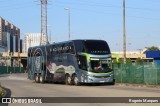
(1, 54)
(139, 61)
(121, 61)
(152, 48)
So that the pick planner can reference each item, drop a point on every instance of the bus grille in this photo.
(101, 76)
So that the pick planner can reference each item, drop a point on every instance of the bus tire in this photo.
(75, 80)
(41, 79)
(68, 80)
(113, 83)
(37, 78)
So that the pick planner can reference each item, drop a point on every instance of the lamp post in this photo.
(68, 21)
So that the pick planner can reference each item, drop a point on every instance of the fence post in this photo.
(20, 69)
(156, 72)
(143, 72)
(121, 71)
(14, 68)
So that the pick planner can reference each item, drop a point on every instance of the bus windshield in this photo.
(96, 47)
(100, 66)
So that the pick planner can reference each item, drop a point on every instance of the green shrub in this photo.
(121, 61)
(2, 92)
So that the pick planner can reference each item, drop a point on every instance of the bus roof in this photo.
(67, 42)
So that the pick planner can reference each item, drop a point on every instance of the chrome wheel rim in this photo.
(69, 80)
(75, 80)
(36, 78)
(41, 79)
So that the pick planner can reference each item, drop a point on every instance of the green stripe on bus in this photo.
(87, 55)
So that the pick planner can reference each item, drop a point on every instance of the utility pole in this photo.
(124, 32)
(44, 35)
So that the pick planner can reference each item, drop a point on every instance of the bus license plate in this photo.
(101, 81)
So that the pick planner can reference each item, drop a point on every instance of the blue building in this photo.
(155, 55)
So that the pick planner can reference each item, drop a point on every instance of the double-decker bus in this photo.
(73, 62)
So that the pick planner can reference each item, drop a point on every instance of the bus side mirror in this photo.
(82, 62)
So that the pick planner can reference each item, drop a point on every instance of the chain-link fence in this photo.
(144, 73)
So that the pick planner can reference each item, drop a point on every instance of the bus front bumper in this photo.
(98, 79)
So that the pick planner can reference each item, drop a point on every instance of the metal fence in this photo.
(144, 73)
(6, 69)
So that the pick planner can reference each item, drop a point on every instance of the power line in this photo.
(13, 4)
(105, 5)
(85, 3)
(17, 7)
(110, 13)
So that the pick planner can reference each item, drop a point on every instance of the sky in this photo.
(90, 19)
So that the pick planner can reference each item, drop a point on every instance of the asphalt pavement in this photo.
(20, 86)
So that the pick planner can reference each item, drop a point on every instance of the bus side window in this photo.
(72, 51)
(82, 62)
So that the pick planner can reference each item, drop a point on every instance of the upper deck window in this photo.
(92, 46)
(96, 47)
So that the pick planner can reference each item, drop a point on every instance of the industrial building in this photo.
(32, 39)
(9, 37)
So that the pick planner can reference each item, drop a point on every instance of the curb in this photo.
(138, 85)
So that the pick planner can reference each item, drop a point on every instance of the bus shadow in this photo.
(4, 75)
(82, 84)
(98, 84)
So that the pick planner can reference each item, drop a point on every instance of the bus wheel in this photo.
(68, 80)
(75, 80)
(41, 79)
(113, 83)
(36, 78)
